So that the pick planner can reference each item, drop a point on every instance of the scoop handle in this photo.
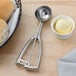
(26, 63)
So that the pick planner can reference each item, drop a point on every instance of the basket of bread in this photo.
(10, 14)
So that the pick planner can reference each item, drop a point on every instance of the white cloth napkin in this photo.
(67, 64)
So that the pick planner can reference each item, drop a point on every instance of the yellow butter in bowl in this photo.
(63, 26)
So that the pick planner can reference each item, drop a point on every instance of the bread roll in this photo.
(6, 9)
(3, 30)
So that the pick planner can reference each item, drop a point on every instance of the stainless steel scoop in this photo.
(43, 13)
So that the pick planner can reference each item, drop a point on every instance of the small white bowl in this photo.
(62, 36)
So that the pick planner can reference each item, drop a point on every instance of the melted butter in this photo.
(63, 26)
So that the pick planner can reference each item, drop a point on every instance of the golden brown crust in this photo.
(6, 9)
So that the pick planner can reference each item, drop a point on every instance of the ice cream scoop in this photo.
(42, 13)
